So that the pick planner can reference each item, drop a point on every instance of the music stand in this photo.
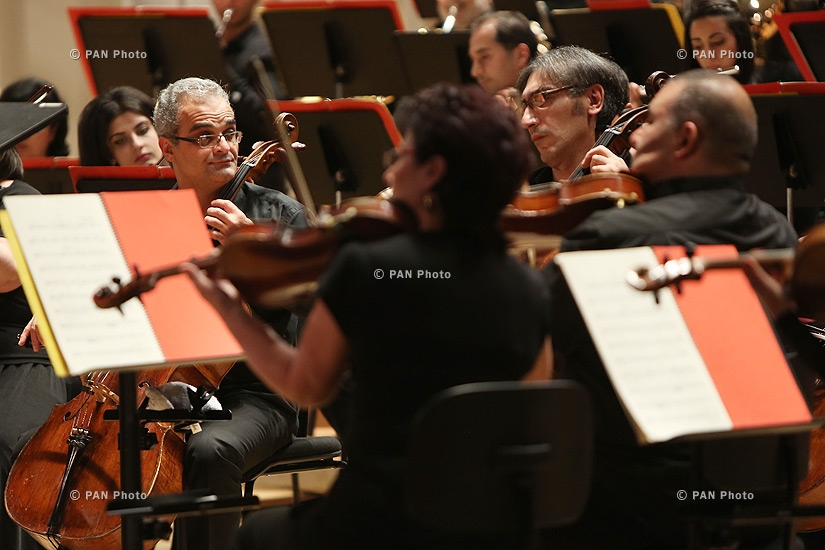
(435, 57)
(21, 120)
(49, 175)
(641, 41)
(146, 48)
(345, 48)
(94, 179)
(785, 159)
(334, 161)
(802, 33)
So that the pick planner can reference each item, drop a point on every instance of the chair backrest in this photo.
(496, 456)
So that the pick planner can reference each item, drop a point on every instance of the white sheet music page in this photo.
(71, 251)
(646, 348)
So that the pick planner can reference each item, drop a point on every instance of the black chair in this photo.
(502, 456)
(305, 453)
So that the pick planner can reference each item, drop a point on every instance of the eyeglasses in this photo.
(208, 141)
(537, 99)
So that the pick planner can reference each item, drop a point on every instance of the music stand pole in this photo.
(130, 476)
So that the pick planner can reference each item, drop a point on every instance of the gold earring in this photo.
(427, 201)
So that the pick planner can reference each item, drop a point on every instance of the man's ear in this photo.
(167, 148)
(594, 99)
(689, 140)
(522, 55)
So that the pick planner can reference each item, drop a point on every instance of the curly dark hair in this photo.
(486, 151)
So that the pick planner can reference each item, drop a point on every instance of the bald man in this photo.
(693, 153)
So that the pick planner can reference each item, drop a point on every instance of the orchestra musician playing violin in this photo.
(569, 96)
(693, 152)
(199, 138)
(467, 312)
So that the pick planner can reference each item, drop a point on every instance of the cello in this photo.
(64, 478)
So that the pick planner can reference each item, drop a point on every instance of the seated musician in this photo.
(29, 387)
(462, 157)
(569, 97)
(199, 138)
(501, 45)
(695, 148)
(116, 128)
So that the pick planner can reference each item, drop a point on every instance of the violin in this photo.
(802, 268)
(277, 266)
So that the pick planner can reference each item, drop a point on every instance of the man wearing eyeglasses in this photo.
(198, 136)
(569, 96)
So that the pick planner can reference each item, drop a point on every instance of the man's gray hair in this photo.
(167, 107)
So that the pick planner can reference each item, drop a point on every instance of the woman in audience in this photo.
(50, 141)
(116, 128)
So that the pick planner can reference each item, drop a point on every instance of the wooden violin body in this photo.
(555, 209)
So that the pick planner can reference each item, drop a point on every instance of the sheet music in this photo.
(71, 251)
(646, 348)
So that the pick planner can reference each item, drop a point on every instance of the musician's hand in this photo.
(509, 97)
(32, 333)
(636, 93)
(601, 159)
(221, 293)
(770, 290)
(224, 217)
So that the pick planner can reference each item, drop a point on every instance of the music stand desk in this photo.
(49, 175)
(345, 140)
(435, 57)
(788, 150)
(802, 33)
(94, 179)
(146, 47)
(19, 120)
(336, 49)
(641, 41)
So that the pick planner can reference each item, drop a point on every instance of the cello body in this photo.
(40, 481)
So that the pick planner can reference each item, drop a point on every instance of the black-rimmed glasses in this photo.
(208, 141)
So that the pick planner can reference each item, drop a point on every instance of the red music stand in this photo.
(94, 179)
(345, 140)
(802, 33)
(336, 49)
(145, 47)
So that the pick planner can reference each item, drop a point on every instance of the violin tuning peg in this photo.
(656, 296)
(690, 249)
(678, 286)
